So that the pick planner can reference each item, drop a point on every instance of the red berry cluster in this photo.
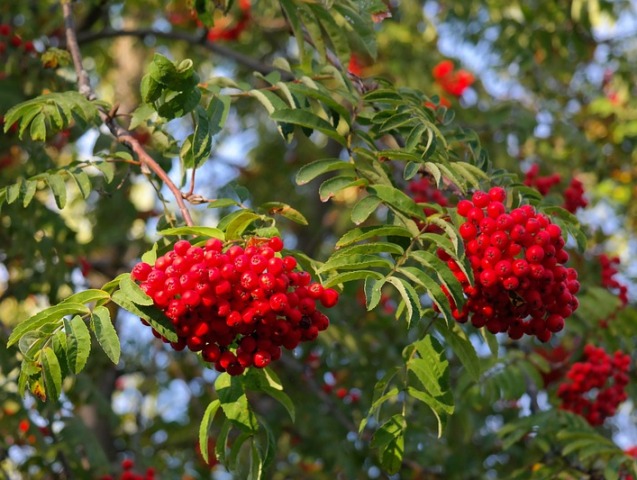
(597, 386)
(249, 297)
(574, 196)
(609, 270)
(533, 179)
(422, 191)
(347, 395)
(13, 40)
(521, 286)
(128, 474)
(228, 31)
(452, 82)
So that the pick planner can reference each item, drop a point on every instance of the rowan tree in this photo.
(294, 239)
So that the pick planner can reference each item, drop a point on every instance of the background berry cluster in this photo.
(128, 474)
(597, 385)
(237, 306)
(573, 193)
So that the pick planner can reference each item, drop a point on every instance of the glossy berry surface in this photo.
(521, 285)
(237, 306)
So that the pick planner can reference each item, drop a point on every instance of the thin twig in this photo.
(192, 183)
(122, 135)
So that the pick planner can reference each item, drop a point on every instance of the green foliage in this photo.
(48, 114)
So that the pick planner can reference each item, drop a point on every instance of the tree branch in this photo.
(122, 135)
(216, 48)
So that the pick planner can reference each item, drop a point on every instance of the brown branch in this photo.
(83, 82)
(122, 135)
(213, 47)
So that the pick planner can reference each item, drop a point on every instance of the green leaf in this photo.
(397, 121)
(334, 185)
(265, 380)
(150, 90)
(30, 188)
(83, 182)
(351, 276)
(360, 26)
(364, 208)
(105, 333)
(141, 114)
(87, 296)
(51, 372)
(402, 155)
(222, 203)
(150, 256)
(133, 292)
(335, 33)
(410, 298)
(256, 462)
(239, 223)
(51, 315)
(389, 439)
(370, 248)
(435, 374)
(413, 139)
(13, 191)
(222, 441)
(309, 88)
(462, 347)
(355, 262)
(373, 289)
(291, 13)
(313, 30)
(433, 289)
(201, 231)
(58, 187)
(204, 427)
(381, 395)
(154, 316)
(363, 233)
(108, 169)
(286, 211)
(218, 110)
(235, 403)
(306, 119)
(200, 141)
(445, 275)
(31, 343)
(309, 172)
(397, 199)
(78, 343)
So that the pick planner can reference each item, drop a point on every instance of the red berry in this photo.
(262, 359)
(329, 298)
(276, 244)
